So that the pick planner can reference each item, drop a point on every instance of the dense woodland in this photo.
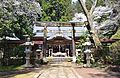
(17, 19)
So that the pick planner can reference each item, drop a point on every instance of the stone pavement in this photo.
(64, 70)
(59, 70)
(71, 70)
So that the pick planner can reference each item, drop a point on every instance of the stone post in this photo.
(45, 41)
(45, 44)
(73, 42)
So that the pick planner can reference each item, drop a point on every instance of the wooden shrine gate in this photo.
(59, 24)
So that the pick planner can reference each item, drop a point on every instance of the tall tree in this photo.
(56, 10)
(16, 17)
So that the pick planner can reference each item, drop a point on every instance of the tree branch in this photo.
(83, 6)
(93, 7)
(93, 1)
(86, 12)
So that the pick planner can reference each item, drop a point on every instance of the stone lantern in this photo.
(28, 46)
(87, 51)
(39, 54)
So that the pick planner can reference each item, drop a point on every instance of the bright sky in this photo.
(74, 0)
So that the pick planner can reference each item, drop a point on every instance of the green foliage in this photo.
(80, 59)
(16, 17)
(56, 10)
(82, 40)
(110, 54)
(10, 68)
(13, 55)
(116, 35)
(115, 52)
(101, 3)
(17, 51)
(89, 4)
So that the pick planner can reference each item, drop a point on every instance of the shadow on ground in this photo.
(98, 73)
(9, 74)
(109, 72)
(107, 75)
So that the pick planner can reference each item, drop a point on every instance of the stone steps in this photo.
(55, 60)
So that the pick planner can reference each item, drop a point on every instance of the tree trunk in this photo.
(89, 26)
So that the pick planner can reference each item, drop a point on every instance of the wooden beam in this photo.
(56, 24)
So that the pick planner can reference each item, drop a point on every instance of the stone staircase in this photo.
(58, 60)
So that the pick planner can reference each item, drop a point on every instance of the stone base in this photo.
(28, 66)
(74, 60)
(45, 60)
(86, 66)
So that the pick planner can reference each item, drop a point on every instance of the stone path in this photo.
(70, 70)
(64, 70)
(58, 68)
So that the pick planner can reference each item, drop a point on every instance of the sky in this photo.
(74, 0)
